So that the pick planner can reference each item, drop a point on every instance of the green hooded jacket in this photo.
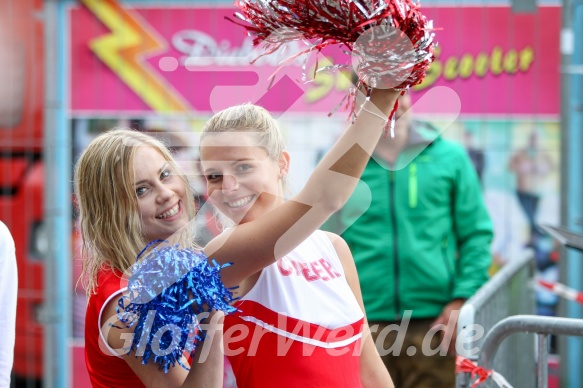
(419, 231)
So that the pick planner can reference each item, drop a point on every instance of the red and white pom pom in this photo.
(391, 38)
(391, 41)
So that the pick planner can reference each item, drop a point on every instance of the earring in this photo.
(283, 177)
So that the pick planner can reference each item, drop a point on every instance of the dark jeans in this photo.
(418, 370)
(529, 203)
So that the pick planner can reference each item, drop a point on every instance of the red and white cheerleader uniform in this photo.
(300, 325)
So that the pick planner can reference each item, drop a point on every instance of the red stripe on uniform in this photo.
(296, 326)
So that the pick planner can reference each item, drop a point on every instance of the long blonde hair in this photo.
(109, 218)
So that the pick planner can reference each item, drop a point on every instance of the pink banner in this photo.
(497, 61)
(142, 60)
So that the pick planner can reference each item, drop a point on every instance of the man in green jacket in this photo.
(420, 235)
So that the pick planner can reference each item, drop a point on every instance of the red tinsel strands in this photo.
(385, 57)
(464, 365)
(391, 41)
(325, 22)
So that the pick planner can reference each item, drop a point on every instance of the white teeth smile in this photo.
(169, 213)
(240, 202)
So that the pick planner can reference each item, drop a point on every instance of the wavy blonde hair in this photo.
(109, 217)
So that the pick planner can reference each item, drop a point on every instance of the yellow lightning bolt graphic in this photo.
(123, 51)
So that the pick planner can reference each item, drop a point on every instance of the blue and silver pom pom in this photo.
(171, 291)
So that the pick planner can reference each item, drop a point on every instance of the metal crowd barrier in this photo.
(511, 291)
(542, 326)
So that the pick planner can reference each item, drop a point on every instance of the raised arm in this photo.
(254, 245)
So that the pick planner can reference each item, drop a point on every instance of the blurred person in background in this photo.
(8, 290)
(420, 235)
(533, 165)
